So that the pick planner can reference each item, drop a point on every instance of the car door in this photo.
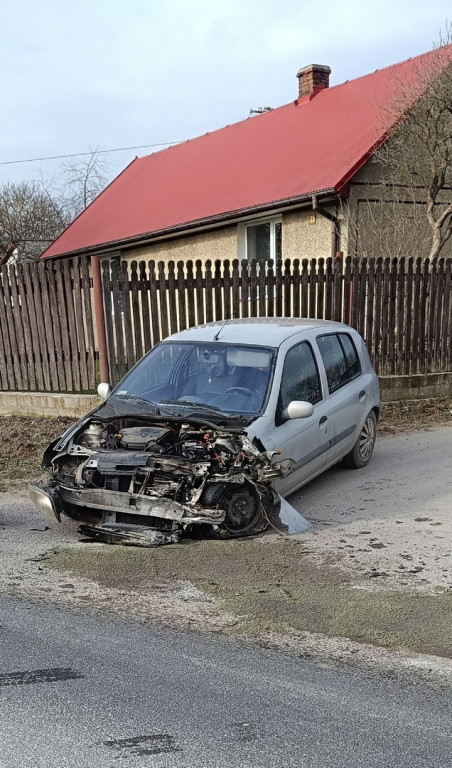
(346, 391)
(305, 440)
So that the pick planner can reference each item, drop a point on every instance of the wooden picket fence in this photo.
(401, 307)
(48, 340)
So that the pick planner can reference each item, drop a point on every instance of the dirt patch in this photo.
(408, 415)
(22, 445)
(275, 585)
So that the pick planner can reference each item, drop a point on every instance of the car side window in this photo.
(340, 359)
(300, 379)
(351, 355)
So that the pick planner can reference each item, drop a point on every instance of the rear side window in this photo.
(340, 359)
(300, 379)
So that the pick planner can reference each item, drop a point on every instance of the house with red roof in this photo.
(286, 183)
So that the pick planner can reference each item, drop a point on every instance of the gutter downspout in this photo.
(335, 227)
(100, 319)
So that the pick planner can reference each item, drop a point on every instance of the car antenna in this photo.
(215, 338)
(236, 306)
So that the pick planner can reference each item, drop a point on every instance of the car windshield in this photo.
(213, 376)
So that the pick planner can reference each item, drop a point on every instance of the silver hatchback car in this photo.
(211, 428)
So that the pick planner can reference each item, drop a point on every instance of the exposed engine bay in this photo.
(148, 481)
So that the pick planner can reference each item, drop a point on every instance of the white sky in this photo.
(81, 74)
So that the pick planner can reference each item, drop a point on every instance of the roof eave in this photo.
(231, 217)
(342, 184)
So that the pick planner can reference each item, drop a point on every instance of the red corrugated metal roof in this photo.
(305, 147)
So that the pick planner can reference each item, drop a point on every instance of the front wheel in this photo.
(363, 449)
(245, 509)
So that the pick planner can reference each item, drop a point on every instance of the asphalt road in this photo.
(78, 690)
(409, 473)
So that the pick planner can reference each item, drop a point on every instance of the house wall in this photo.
(220, 243)
(386, 219)
(305, 240)
(302, 238)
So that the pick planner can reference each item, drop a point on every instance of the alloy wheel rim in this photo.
(367, 439)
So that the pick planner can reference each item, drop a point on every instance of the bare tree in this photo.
(81, 180)
(405, 195)
(33, 214)
(29, 220)
(388, 219)
(416, 159)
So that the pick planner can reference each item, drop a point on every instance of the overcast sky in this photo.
(107, 74)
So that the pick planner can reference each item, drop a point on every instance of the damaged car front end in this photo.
(146, 480)
(185, 442)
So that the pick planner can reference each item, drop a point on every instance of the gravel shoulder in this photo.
(369, 584)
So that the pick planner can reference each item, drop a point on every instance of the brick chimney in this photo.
(312, 78)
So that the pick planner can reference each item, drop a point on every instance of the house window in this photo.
(263, 240)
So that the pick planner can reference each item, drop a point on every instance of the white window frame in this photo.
(242, 236)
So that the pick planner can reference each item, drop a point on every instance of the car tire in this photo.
(362, 451)
(245, 510)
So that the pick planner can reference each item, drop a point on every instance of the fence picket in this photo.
(446, 325)
(126, 294)
(6, 361)
(199, 283)
(190, 293)
(12, 331)
(181, 319)
(244, 299)
(312, 293)
(162, 294)
(20, 330)
(89, 323)
(378, 315)
(79, 335)
(408, 317)
(370, 308)
(209, 292)
(153, 301)
(136, 313)
(108, 311)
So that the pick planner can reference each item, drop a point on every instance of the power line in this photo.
(81, 154)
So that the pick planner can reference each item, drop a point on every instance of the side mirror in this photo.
(298, 409)
(103, 390)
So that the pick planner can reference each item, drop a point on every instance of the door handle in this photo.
(323, 420)
(362, 394)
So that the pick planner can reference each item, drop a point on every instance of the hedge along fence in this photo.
(401, 306)
(48, 338)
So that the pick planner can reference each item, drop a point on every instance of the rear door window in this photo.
(340, 359)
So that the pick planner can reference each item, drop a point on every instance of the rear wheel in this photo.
(363, 449)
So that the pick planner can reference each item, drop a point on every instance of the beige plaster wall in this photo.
(386, 220)
(302, 238)
(216, 244)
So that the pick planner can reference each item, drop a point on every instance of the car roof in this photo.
(264, 331)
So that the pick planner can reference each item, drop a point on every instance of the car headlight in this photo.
(46, 500)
